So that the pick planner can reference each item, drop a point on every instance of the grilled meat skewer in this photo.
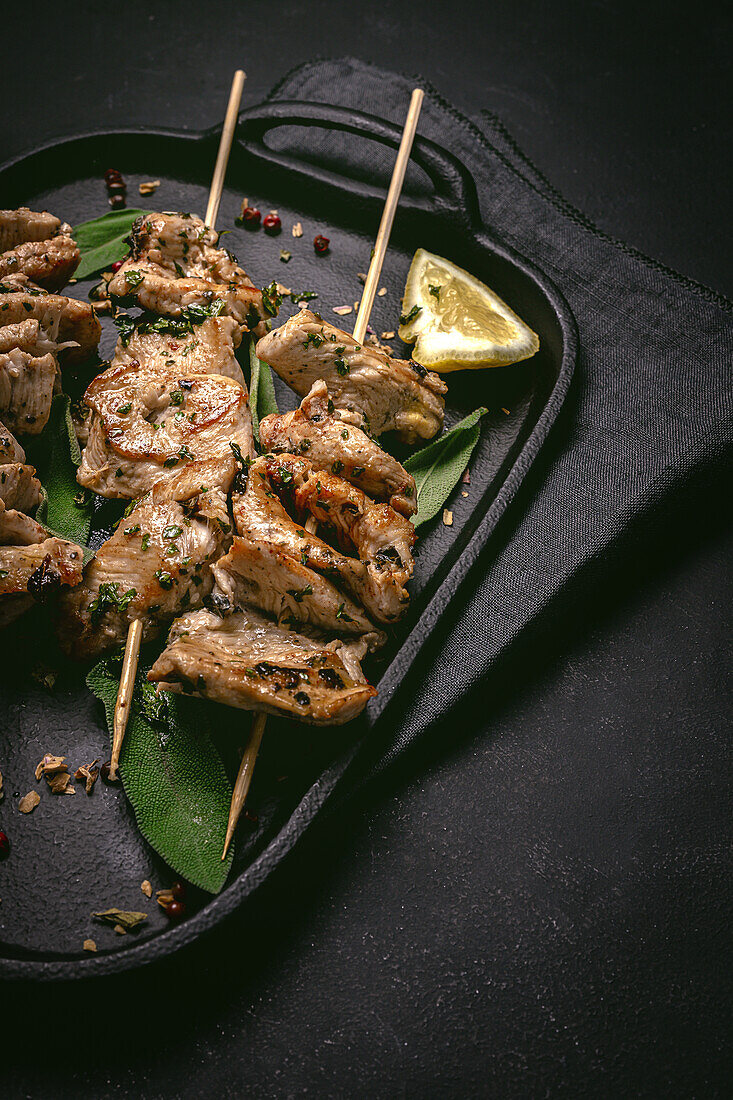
(48, 264)
(156, 565)
(246, 661)
(174, 265)
(375, 573)
(21, 225)
(72, 323)
(315, 430)
(19, 487)
(368, 388)
(33, 565)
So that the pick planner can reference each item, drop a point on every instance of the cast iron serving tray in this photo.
(73, 856)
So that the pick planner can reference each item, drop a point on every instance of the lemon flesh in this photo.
(456, 322)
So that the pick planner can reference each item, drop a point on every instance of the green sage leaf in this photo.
(65, 508)
(102, 241)
(438, 467)
(262, 400)
(173, 776)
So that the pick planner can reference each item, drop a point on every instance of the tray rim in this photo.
(222, 905)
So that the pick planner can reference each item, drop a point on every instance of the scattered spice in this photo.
(361, 276)
(297, 230)
(249, 216)
(116, 188)
(171, 901)
(60, 783)
(146, 888)
(29, 802)
(505, 411)
(447, 518)
(466, 477)
(464, 493)
(105, 772)
(89, 773)
(125, 919)
(149, 187)
(271, 223)
(381, 292)
(342, 310)
(321, 243)
(285, 256)
(89, 945)
(49, 765)
(388, 335)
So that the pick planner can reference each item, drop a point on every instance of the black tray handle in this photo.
(454, 194)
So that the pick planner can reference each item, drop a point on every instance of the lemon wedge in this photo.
(456, 322)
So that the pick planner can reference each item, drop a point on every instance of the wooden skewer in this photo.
(225, 145)
(246, 768)
(135, 630)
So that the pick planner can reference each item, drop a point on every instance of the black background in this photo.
(508, 912)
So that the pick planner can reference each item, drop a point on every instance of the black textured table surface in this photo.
(534, 902)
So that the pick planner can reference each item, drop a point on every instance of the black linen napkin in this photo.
(648, 416)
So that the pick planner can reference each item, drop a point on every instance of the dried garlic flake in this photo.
(149, 187)
(146, 888)
(29, 802)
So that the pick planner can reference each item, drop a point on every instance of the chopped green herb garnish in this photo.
(406, 318)
(313, 339)
(271, 299)
(165, 579)
(109, 599)
(172, 531)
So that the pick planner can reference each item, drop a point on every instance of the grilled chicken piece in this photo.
(49, 264)
(207, 348)
(18, 226)
(27, 384)
(174, 264)
(263, 576)
(326, 441)
(32, 565)
(147, 423)
(72, 323)
(382, 538)
(368, 388)
(19, 487)
(10, 448)
(246, 661)
(261, 519)
(156, 565)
